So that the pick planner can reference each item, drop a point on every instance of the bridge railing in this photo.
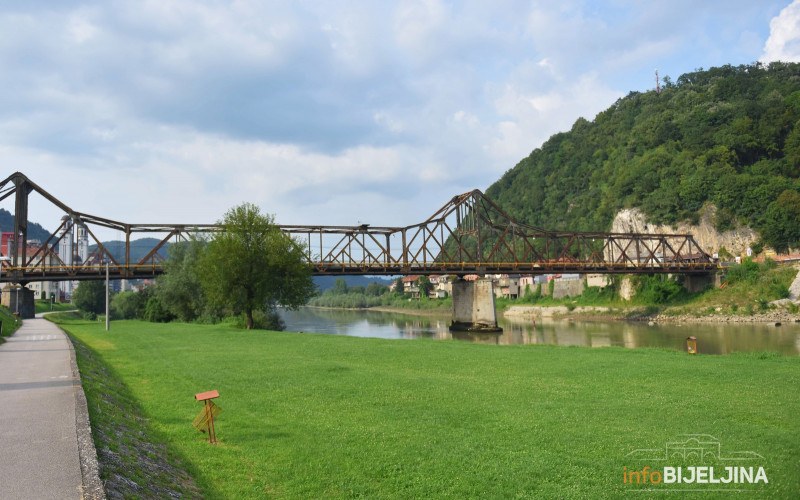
(468, 235)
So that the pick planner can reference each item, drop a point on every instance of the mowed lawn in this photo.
(322, 416)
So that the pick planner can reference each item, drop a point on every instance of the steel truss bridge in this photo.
(468, 235)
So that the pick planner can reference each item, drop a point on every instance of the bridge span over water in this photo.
(468, 235)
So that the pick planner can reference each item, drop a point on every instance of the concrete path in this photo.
(39, 436)
(794, 288)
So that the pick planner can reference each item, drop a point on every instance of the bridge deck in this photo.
(468, 235)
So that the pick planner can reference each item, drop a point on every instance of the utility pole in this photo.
(658, 83)
(106, 296)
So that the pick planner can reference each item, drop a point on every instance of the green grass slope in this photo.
(315, 416)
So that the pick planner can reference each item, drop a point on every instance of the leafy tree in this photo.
(156, 312)
(124, 305)
(357, 290)
(398, 286)
(339, 286)
(142, 298)
(425, 286)
(782, 224)
(250, 265)
(179, 289)
(90, 296)
(375, 289)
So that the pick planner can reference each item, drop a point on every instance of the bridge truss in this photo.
(468, 235)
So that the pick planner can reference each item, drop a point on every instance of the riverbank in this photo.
(753, 293)
(602, 313)
(440, 312)
(328, 416)
(609, 313)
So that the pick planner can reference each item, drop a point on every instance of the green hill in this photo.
(728, 135)
(35, 231)
(139, 248)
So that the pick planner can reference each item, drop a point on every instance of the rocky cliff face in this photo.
(633, 220)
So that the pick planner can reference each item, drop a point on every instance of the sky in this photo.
(336, 113)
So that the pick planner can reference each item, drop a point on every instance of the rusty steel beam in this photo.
(469, 234)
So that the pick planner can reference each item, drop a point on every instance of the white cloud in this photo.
(557, 107)
(81, 29)
(174, 110)
(783, 43)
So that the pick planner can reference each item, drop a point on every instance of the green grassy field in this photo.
(41, 306)
(320, 416)
(10, 323)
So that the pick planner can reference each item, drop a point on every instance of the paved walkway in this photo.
(39, 440)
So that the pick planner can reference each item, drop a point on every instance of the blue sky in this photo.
(330, 112)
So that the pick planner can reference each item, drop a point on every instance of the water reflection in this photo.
(712, 338)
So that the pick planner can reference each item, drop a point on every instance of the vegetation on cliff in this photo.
(728, 135)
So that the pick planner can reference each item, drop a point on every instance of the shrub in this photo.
(768, 264)
(155, 312)
(657, 289)
(747, 271)
(779, 290)
(125, 305)
(594, 295)
(262, 320)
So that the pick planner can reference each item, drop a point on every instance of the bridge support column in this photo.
(694, 283)
(474, 307)
(19, 299)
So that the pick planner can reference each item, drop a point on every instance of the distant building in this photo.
(411, 286)
(442, 286)
(9, 245)
(506, 285)
(65, 253)
(73, 250)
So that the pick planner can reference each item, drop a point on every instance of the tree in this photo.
(398, 286)
(250, 265)
(425, 286)
(782, 221)
(179, 289)
(155, 311)
(125, 305)
(340, 287)
(355, 290)
(90, 296)
(375, 289)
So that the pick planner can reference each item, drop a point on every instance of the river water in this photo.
(711, 338)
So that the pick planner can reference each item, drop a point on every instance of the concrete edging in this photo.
(87, 454)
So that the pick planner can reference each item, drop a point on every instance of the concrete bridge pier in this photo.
(474, 308)
(694, 283)
(19, 299)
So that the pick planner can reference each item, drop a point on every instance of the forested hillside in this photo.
(728, 135)
(35, 231)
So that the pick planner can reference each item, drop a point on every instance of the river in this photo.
(711, 338)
